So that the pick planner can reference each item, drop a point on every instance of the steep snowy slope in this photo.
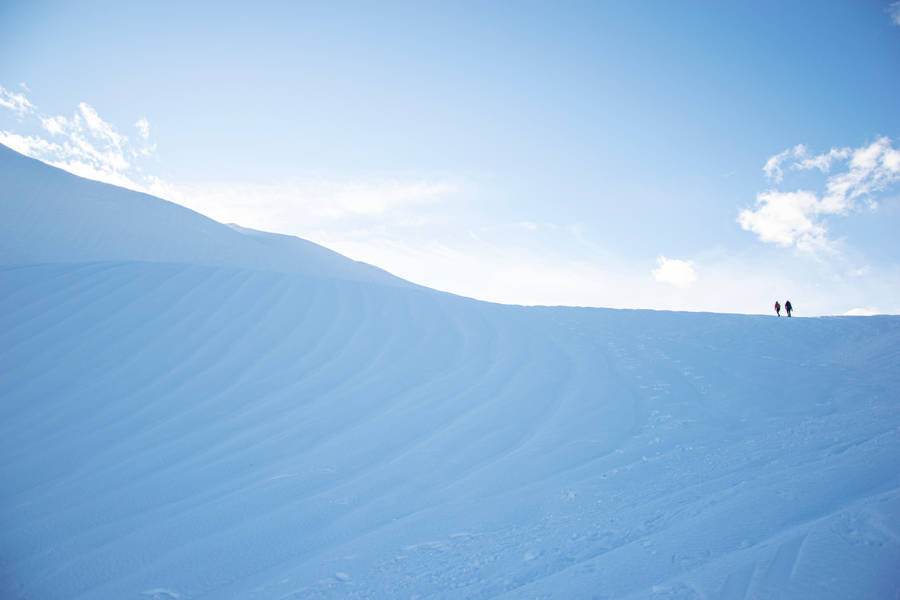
(49, 215)
(174, 430)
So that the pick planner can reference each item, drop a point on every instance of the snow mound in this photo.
(180, 429)
(48, 215)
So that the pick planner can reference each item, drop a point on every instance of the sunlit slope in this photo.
(176, 431)
(48, 215)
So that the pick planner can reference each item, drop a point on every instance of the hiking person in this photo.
(787, 307)
(777, 308)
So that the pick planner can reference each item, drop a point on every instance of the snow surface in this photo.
(193, 411)
(52, 216)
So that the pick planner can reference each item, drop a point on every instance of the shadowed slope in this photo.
(193, 411)
(220, 433)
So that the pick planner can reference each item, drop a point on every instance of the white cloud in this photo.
(796, 218)
(87, 145)
(336, 199)
(872, 169)
(891, 160)
(28, 145)
(862, 311)
(17, 103)
(401, 224)
(893, 10)
(83, 143)
(298, 205)
(99, 128)
(680, 273)
(91, 170)
(55, 125)
(143, 126)
(773, 169)
(785, 218)
(492, 266)
(822, 162)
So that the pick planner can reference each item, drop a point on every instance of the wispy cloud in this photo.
(502, 264)
(85, 144)
(29, 145)
(862, 311)
(680, 273)
(15, 102)
(299, 205)
(772, 168)
(871, 169)
(415, 226)
(893, 10)
(143, 126)
(82, 143)
(822, 162)
(796, 218)
(55, 125)
(99, 128)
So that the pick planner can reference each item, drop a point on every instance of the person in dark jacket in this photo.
(788, 307)
(777, 308)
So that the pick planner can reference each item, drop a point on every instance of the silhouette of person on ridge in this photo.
(788, 308)
(777, 308)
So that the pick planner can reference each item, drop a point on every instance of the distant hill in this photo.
(48, 215)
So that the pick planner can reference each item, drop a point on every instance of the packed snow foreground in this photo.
(190, 410)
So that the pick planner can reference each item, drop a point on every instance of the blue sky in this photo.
(605, 154)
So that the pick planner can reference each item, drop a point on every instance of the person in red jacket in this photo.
(777, 308)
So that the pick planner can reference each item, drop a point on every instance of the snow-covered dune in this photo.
(194, 429)
(48, 215)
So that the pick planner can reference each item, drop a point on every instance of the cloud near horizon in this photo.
(862, 311)
(680, 273)
(298, 205)
(796, 218)
(86, 145)
(415, 228)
